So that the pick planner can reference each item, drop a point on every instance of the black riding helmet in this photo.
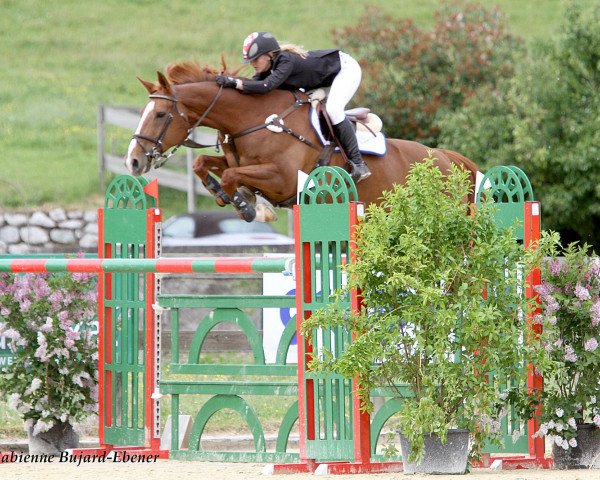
(257, 44)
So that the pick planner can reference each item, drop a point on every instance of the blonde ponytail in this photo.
(293, 48)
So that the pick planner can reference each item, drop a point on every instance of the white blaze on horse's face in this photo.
(138, 165)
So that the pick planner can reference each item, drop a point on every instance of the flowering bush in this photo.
(53, 377)
(570, 319)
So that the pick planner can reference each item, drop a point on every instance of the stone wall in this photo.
(57, 230)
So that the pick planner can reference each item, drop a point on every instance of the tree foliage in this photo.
(547, 121)
(410, 75)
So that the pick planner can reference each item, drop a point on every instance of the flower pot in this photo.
(585, 455)
(58, 439)
(449, 458)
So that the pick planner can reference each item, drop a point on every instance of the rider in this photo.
(290, 67)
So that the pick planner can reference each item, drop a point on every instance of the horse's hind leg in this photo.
(216, 164)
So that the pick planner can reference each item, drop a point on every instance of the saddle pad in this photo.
(367, 143)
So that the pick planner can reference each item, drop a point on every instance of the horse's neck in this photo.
(231, 111)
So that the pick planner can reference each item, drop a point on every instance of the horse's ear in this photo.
(164, 82)
(147, 85)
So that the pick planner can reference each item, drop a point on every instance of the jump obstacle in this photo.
(333, 433)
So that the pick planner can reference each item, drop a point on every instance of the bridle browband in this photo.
(156, 155)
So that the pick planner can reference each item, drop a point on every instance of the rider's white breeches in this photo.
(343, 88)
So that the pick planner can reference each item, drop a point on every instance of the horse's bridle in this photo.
(156, 156)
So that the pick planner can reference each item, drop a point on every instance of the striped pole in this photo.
(151, 265)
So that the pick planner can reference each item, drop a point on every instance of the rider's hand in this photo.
(226, 82)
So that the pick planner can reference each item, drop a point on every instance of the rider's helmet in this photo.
(257, 44)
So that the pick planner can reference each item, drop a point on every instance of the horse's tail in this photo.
(469, 165)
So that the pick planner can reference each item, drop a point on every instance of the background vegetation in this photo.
(61, 59)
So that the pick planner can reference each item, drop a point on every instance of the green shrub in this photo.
(410, 74)
(423, 264)
(546, 120)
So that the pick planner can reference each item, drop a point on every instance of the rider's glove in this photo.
(226, 82)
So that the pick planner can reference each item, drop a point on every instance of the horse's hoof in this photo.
(265, 213)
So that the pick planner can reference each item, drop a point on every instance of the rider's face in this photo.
(261, 64)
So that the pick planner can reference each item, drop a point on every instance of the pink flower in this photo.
(596, 313)
(591, 345)
(550, 304)
(570, 355)
(582, 293)
(555, 267)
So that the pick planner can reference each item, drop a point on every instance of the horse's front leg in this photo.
(216, 164)
(265, 178)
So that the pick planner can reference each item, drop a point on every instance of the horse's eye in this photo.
(160, 114)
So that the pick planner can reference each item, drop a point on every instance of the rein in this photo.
(275, 121)
(156, 156)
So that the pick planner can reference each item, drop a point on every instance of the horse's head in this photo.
(162, 126)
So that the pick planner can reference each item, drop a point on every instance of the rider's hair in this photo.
(293, 48)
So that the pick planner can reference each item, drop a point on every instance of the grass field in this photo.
(61, 59)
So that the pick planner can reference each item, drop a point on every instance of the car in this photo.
(218, 228)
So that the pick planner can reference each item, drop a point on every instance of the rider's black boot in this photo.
(345, 134)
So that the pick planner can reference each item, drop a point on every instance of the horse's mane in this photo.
(192, 72)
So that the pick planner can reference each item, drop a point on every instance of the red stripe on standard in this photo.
(234, 265)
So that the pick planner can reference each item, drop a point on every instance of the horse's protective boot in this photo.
(347, 138)
(244, 207)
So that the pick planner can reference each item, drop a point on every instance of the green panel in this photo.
(317, 222)
(511, 215)
(125, 226)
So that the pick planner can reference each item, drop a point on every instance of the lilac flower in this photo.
(596, 420)
(572, 423)
(570, 355)
(595, 313)
(559, 412)
(573, 443)
(12, 334)
(41, 287)
(591, 345)
(25, 305)
(582, 293)
(544, 289)
(555, 267)
(550, 304)
(56, 299)
(551, 320)
(47, 327)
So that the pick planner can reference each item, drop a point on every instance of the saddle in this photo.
(363, 119)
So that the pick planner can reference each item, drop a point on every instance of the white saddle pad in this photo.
(367, 142)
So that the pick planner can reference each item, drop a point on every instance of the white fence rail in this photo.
(181, 179)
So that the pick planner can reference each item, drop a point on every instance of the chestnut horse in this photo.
(255, 157)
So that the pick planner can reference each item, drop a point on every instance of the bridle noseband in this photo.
(156, 156)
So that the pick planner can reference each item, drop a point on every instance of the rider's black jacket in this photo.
(290, 71)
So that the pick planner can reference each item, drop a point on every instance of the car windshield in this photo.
(234, 225)
(182, 227)
(187, 227)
